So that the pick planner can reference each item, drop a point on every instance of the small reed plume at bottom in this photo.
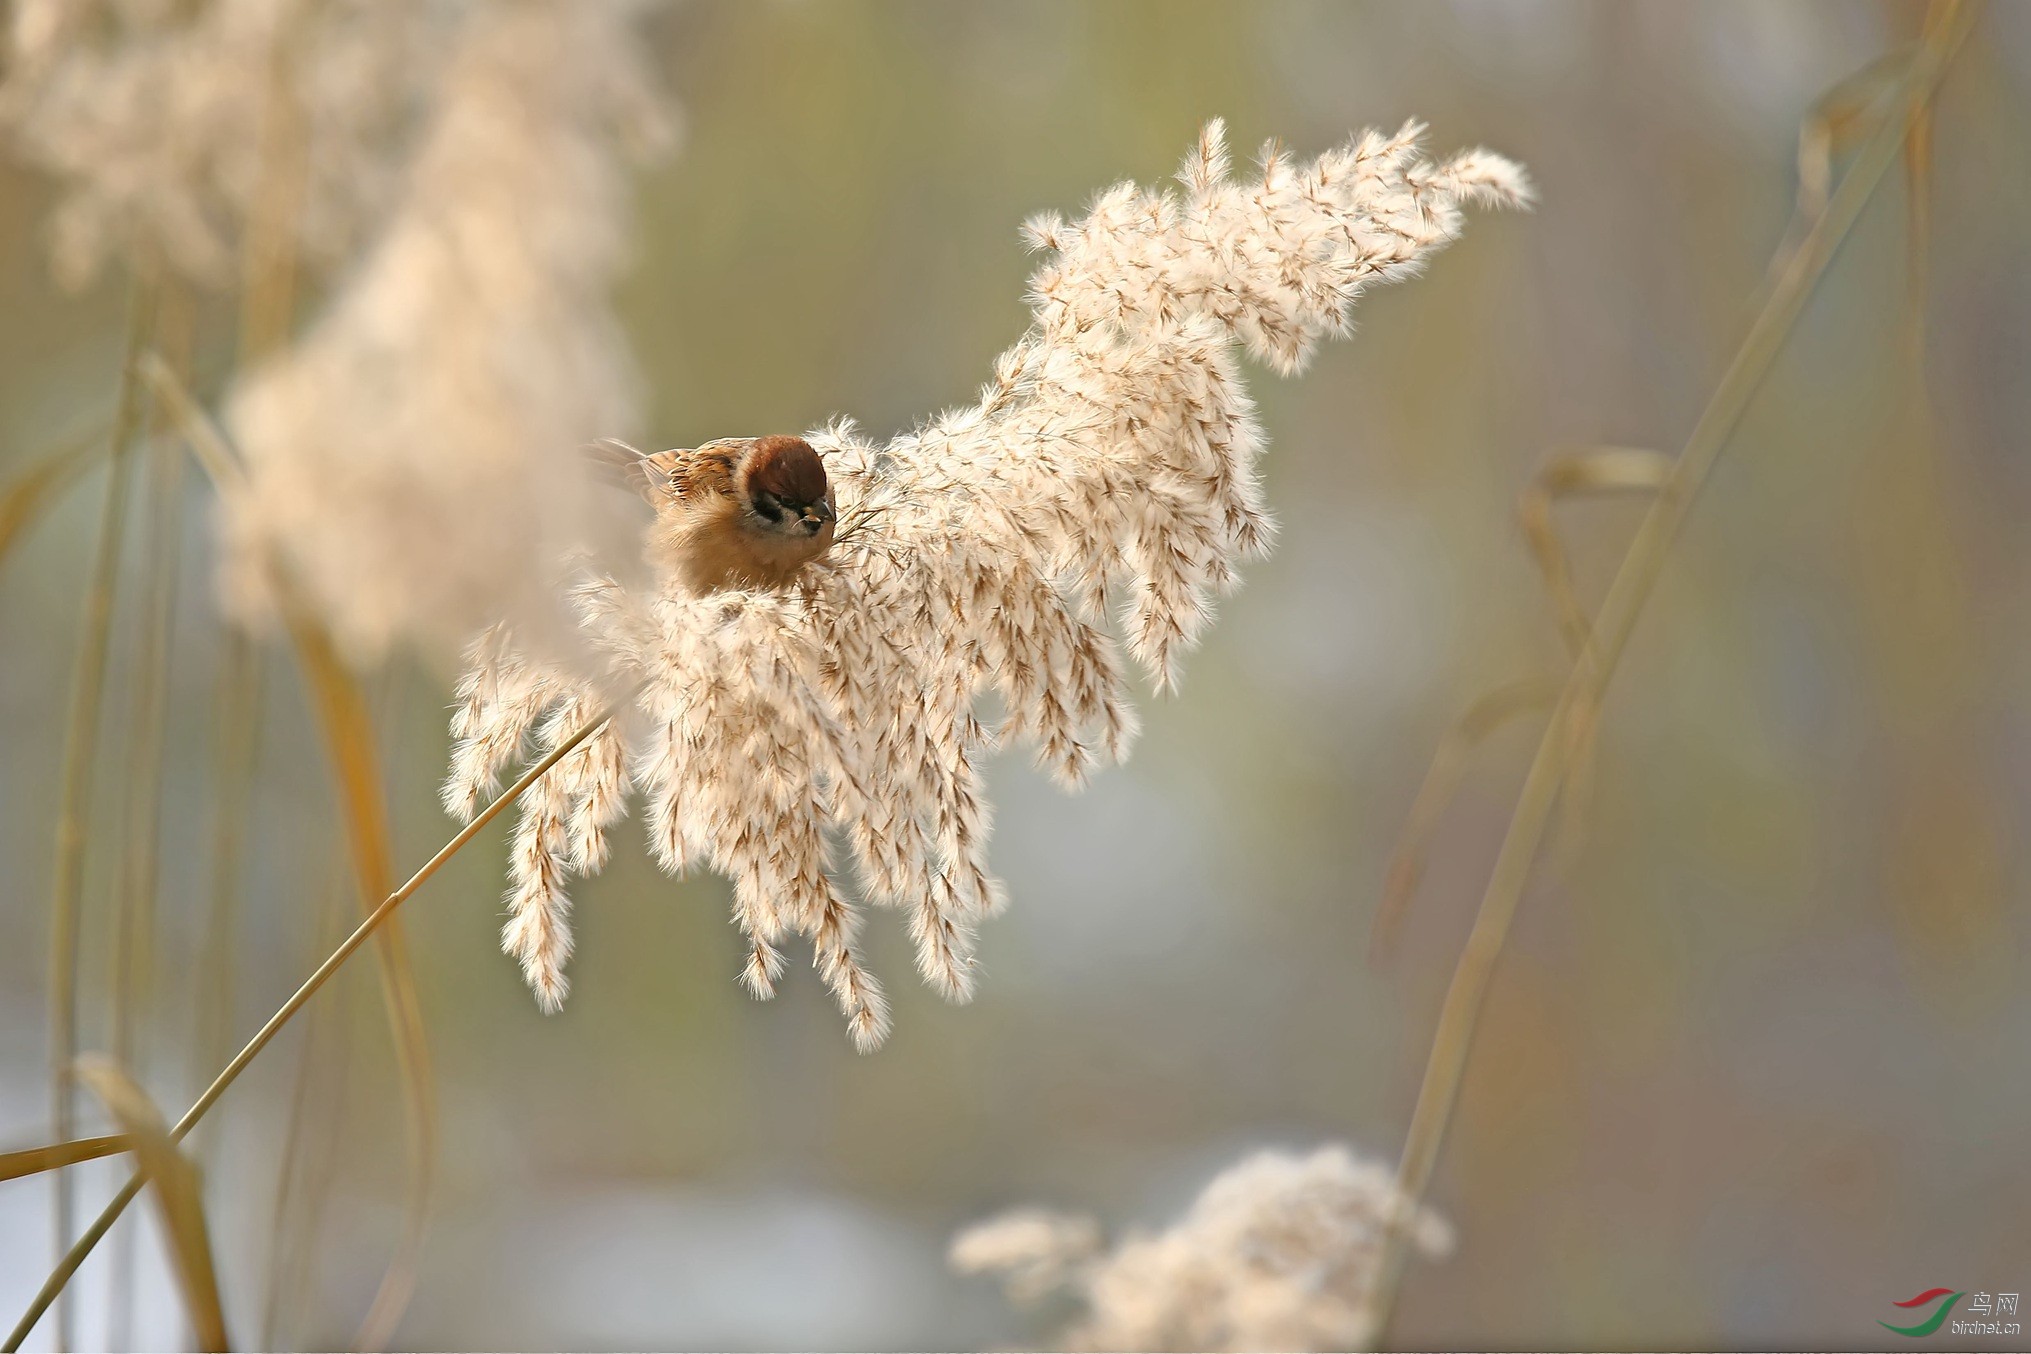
(1279, 1251)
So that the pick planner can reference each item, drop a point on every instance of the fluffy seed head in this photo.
(1018, 552)
(1280, 1251)
(172, 128)
(413, 457)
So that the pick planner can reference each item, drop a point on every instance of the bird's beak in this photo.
(819, 513)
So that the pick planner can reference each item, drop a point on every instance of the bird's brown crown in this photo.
(788, 468)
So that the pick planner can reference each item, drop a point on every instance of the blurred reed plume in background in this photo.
(1279, 1251)
(456, 171)
(158, 119)
(445, 179)
(404, 457)
(1113, 454)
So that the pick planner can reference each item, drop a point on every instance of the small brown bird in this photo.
(741, 512)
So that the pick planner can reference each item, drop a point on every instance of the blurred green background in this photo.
(1755, 1065)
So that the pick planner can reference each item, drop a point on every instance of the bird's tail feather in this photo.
(621, 465)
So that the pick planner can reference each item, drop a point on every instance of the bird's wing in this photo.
(707, 469)
(626, 467)
(659, 476)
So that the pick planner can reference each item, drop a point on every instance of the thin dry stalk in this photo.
(1580, 473)
(1617, 619)
(132, 979)
(349, 741)
(176, 1190)
(36, 1160)
(236, 754)
(75, 1256)
(349, 737)
(267, 311)
(1837, 118)
(1481, 721)
(74, 793)
(1572, 474)
(300, 1189)
(1587, 472)
(24, 497)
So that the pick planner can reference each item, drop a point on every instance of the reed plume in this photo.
(150, 117)
(456, 173)
(411, 459)
(1279, 1251)
(1112, 457)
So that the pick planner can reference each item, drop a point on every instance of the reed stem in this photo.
(1616, 621)
(134, 927)
(74, 792)
(75, 1256)
(348, 731)
(235, 754)
(24, 497)
(349, 738)
(322, 1064)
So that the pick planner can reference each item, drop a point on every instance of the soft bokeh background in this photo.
(1754, 1067)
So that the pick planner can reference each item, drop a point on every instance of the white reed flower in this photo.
(1035, 1251)
(1278, 1252)
(1113, 455)
(413, 459)
(156, 118)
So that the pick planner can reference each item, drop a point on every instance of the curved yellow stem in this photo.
(1797, 276)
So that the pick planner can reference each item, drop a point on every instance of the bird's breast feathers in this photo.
(713, 545)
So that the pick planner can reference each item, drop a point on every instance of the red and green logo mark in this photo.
(1944, 1297)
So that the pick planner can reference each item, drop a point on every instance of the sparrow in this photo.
(740, 512)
